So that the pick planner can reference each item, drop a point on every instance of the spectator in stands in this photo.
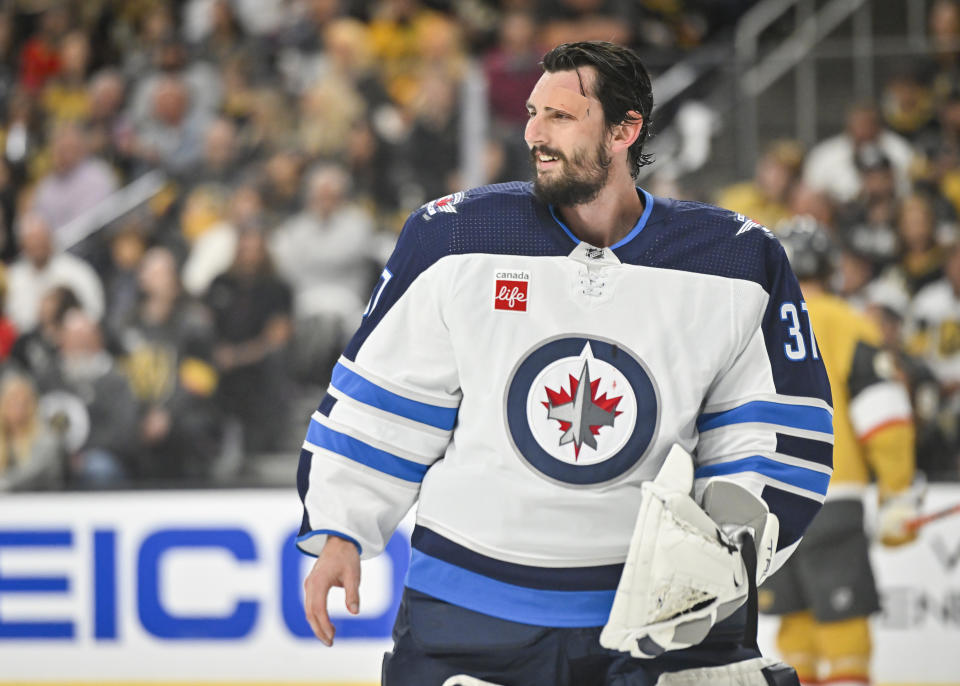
(937, 440)
(88, 372)
(855, 272)
(371, 165)
(404, 38)
(214, 250)
(764, 199)
(23, 133)
(77, 181)
(566, 21)
(281, 185)
(252, 309)
(511, 69)
(8, 332)
(127, 245)
(831, 164)
(40, 55)
(8, 200)
(907, 104)
(8, 57)
(348, 56)
(29, 453)
(167, 344)
(940, 150)
(433, 148)
(226, 37)
(934, 328)
(147, 30)
(171, 136)
(40, 268)
(171, 59)
(65, 95)
(944, 27)
(328, 252)
(920, 254)
(868, 221)
(109, 130)
(35, 351)
(327, 110)
(221, 162)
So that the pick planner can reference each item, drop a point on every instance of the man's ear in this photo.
(625, 133)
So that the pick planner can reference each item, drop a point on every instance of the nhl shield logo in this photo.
(581, 411)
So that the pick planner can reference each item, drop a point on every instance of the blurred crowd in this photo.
(196, 197)
(887, 187)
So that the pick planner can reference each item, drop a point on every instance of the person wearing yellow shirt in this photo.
(826, 590)
(764, 199)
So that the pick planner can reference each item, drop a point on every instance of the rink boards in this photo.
(206, 587)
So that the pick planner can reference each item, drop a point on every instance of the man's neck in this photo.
(608, 218)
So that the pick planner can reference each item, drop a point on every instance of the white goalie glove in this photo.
(684, 571)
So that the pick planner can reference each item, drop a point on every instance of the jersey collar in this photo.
(634, 232)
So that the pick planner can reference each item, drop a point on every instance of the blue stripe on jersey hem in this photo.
(369, 393)
(365, 454)
(514, 603)
(595, 578)
(795, 476)
(783, 414)
(330, 532)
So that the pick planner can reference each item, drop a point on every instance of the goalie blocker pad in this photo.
(760, 671)
(684, 570)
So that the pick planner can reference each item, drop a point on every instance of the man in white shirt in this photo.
(39, 268)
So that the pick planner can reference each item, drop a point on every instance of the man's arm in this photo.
(387, 417)
(767, 420)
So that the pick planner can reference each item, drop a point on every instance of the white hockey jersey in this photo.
(519, 385)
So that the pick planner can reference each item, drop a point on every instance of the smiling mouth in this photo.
(544, 160)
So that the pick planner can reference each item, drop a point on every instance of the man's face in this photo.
(566, 134)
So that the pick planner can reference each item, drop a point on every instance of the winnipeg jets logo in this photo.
(749, 225)
(445, 204)
(580, 412)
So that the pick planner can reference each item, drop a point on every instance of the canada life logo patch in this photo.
(581, 410)
(511, 290)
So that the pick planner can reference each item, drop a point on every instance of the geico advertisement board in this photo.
(207, 586)
(179, 585)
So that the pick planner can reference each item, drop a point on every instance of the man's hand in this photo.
(337, 565)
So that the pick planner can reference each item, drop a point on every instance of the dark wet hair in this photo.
(622, 85)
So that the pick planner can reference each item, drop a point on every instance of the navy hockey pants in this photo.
(434, 640)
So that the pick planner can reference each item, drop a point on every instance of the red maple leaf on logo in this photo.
(563, 397)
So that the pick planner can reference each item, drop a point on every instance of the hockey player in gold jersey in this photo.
(826, 591)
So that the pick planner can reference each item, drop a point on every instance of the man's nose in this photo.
(533, 133)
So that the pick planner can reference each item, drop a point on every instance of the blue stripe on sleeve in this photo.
(368, 393)
(794, 416)
(795, 476)
(366, 454)
(514, 603)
